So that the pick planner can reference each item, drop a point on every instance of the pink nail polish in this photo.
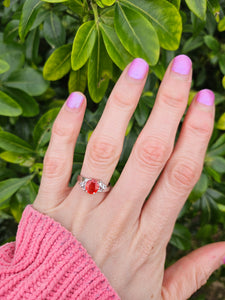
(182, 64)
(138, 68)
(206, 97)
(75, 100)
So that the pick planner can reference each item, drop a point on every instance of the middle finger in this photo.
(155, 143)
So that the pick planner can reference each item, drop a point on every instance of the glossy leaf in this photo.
(11, 30)
(221, 123)
(58, 64)
(222, 63)
(32, 46)
(8, 107)
(42, 130)
(28, 80)
(78, 80)
(218, 148)
(199, 189)
(4, 66)
(164, 17)
(29, 13)
(10, 186)
(13, 143)
(129, 28)
(83, 44)
(176, 3)
(53, 30)
(212, 43)
(181, 237)
(28, 104)
(76, 6)
(99, 71)
(54, 1)
(119, 55)
(108, 2)
(221, 25)
(217, 163)
(17, 158)
(198, 7)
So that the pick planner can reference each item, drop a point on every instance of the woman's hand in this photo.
(126, 236)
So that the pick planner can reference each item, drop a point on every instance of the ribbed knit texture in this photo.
(47, 262)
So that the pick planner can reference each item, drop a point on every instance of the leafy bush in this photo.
(51, 48)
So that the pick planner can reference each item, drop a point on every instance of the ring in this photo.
(92, 185)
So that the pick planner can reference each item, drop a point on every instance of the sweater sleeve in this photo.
(47, 262)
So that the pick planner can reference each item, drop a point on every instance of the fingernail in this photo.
(75, 100)
(206, 97)
(138, 68)
(182, 64)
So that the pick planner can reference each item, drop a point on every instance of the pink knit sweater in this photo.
(47, 262)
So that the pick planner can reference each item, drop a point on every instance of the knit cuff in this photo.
(47, 262)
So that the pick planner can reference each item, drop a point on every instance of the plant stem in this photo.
(95, 10)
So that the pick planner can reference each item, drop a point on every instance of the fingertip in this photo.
(75, 101)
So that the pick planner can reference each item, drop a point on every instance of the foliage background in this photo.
(50, 48)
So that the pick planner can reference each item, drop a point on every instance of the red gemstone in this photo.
(92, 186)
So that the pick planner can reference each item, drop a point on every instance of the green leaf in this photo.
(29, 13)
(221, 25)
(54, 32)
(192, 44)
(218, 148)
(8, 107)
(42, 130)
(32, 46)
(164, 17)
(28, 80)
(4, 66)
(58, 64)
(99, 71)
(11, 142)
(6, 3)
(119, 55)
(18, 158)
(11, 30)
(76, 6)
(222, 63)
(28, 104)
(212, 43)
(129, 28)
(108, 2)
(199, 189)
(78, 80)
(83, 44)
(141, 113)
(209, 208)
(198, 7)
(176, 3)
(217, 163)
(54, 1)
(10, 186)
(181, 237)
(221, 123)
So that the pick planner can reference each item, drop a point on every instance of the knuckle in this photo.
(53, 166)
(173, 100)
(102, 152)
(184, 174)
(200, 128)
(152, 153)
(122, 101)
(63, 133)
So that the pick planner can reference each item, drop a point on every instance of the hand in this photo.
(126, 236)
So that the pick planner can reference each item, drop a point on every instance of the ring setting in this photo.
(92, 185)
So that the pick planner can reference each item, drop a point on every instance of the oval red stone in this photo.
(92, 186)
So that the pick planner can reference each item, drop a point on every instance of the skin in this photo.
(126, 236)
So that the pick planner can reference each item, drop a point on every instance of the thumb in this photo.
(189, 273)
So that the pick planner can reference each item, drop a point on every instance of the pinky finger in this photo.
(189, 273)
(58, 159)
